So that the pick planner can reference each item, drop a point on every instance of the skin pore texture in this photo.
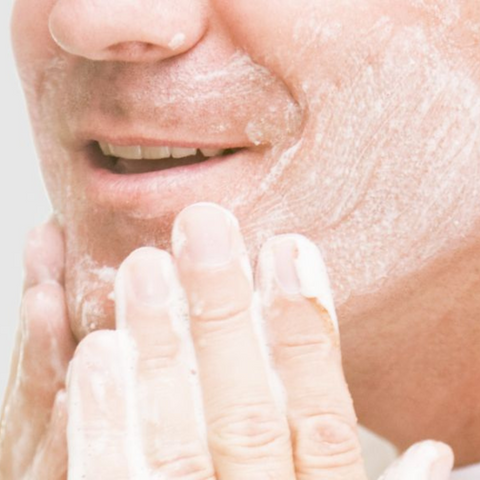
(359, 125)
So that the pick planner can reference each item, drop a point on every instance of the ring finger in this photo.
(302, 326)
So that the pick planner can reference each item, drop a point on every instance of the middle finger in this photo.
(248, 434)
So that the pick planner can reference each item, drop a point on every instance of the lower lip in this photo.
(126, 191)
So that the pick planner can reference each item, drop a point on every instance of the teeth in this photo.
(183, 152)
(105, 148)
(154, 153)
(130, 153)
(209, 152)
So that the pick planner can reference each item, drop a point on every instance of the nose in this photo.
(127, 30)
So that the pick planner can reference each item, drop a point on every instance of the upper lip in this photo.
(229, 105)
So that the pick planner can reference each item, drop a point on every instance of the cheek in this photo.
(385, 177)
(268, 30)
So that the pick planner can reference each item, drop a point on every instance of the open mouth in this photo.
(135, 159)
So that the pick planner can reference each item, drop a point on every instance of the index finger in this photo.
(247, 432)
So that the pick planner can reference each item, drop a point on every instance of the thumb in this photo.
(426, 460)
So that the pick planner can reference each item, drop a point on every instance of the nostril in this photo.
(127, 30)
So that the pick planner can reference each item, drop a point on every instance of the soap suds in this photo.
(91, 277)
(415, 464)
(313, 276)
(75, 438)
(177, 41)
(138, 467)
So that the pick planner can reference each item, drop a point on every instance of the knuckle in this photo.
(220, 295)
(219, 314)
(252, 432)
(326, 441)
(187, 463)
(219, 311)
(159, 356)
(305, 345)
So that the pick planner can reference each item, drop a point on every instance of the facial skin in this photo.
(359, 124)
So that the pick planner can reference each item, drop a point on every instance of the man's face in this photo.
(354, 122)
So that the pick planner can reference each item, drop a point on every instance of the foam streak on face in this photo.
(409, 123)
(399, 116)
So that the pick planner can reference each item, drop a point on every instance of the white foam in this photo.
(177, 41)
(138, 467)
(313, 276)
(75, 438)
(415, 464)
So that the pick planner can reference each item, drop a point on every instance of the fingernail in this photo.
(206, 234)
(285, 252)
(427, 460)
(147, 276)
(442, 467)
(299, 269)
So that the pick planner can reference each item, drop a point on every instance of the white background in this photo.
(22, 198)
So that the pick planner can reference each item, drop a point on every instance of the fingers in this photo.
(44, 347)
(51, 458)
(44, 350)
(149, 303)
(248, 435)
(43, 263)
(301, 324)
(423, 461)
(101, 442)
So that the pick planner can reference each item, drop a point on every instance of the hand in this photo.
(199, 396)
(32, 429)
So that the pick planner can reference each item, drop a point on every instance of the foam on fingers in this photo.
(426, 460)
